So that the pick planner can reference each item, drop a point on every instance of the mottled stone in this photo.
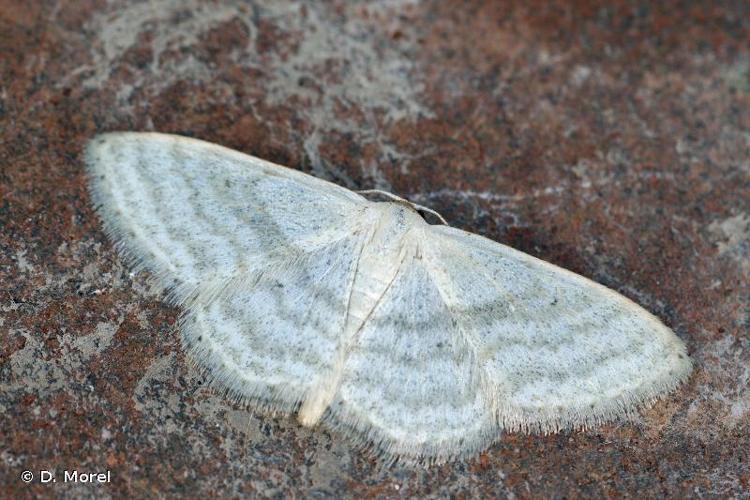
(611, 138)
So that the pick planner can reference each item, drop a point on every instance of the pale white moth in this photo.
(423, 341)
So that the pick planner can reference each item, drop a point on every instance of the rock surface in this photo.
(611, 138)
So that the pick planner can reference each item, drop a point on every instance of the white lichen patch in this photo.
(337, 65)
(159, 372)
(733, 239)
(724, 393)
(31, 370)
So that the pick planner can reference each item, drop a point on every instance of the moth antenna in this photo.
(415, 206)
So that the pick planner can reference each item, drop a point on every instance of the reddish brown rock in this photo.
(611, 138)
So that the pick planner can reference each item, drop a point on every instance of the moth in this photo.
(424, 341)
